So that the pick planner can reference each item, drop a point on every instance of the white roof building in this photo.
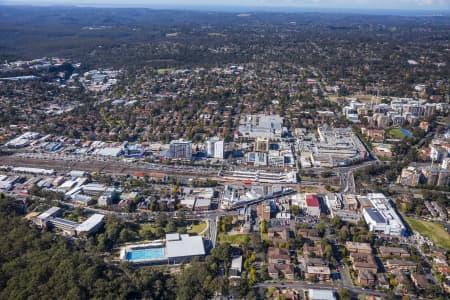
(184, 247)
(321, 294)
(382, 217)
(110, 151)
(49, 213)
(261, 125)
(34, 170)
(23, 140)
(172, 236)
(94, 188)
(236, 267)
(214, 147)
(91, 224)
(188, 202)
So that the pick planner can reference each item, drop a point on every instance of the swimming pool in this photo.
(146, 254)
(406, 132)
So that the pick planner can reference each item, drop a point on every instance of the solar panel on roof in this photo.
(375, 215)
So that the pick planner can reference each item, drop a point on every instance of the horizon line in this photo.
(244, 8)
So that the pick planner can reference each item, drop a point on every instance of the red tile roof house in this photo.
(315, 268)
(398, 264)
(311, 234)
(279, 261)
(286, 269)
(364, 262)
(420, 281)
(278, 235)
(393, 251)
(317, 250)
(358, 247)
(273, 271)
(366, 278)
(285, 294)
(278, 256)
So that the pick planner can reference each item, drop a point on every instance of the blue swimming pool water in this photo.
(151, 253)
(406, 132)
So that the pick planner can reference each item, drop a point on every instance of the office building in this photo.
(382, 217)
(180, 149)
(215, 148)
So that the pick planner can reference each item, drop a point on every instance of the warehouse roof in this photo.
(49, 213)
(185, 246)
(90, 223)
(321, 294)
(110, 151)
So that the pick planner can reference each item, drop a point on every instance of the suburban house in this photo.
(280, 263)
(364, 262)
(287, 270)
(278, 256)
(311, 234)
(392, 251)
(358, 247)
(420, 281)
(366, 278)
(278, 234)
(400, 264)
(316, 250)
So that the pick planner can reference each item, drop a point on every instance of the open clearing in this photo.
(197, 228)
(434, 231)
(235, 239)
(397, 133)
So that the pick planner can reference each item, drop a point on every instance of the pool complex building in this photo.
(175, 248)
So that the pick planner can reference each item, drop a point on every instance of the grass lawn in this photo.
(434, 231)
(165, 71)
(309, 189)
(396, 133)
(236, 239)
(197, 228)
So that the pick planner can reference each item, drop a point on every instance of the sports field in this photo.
(397, 133)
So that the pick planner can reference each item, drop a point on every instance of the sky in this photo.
(326, 4)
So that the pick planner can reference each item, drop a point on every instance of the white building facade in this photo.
(215, 148)
(382, 217)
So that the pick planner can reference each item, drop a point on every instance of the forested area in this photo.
(40, 265)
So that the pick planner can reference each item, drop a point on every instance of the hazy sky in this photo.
(357, 4)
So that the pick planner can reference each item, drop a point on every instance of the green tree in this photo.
(263, 226)
(344, 294)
